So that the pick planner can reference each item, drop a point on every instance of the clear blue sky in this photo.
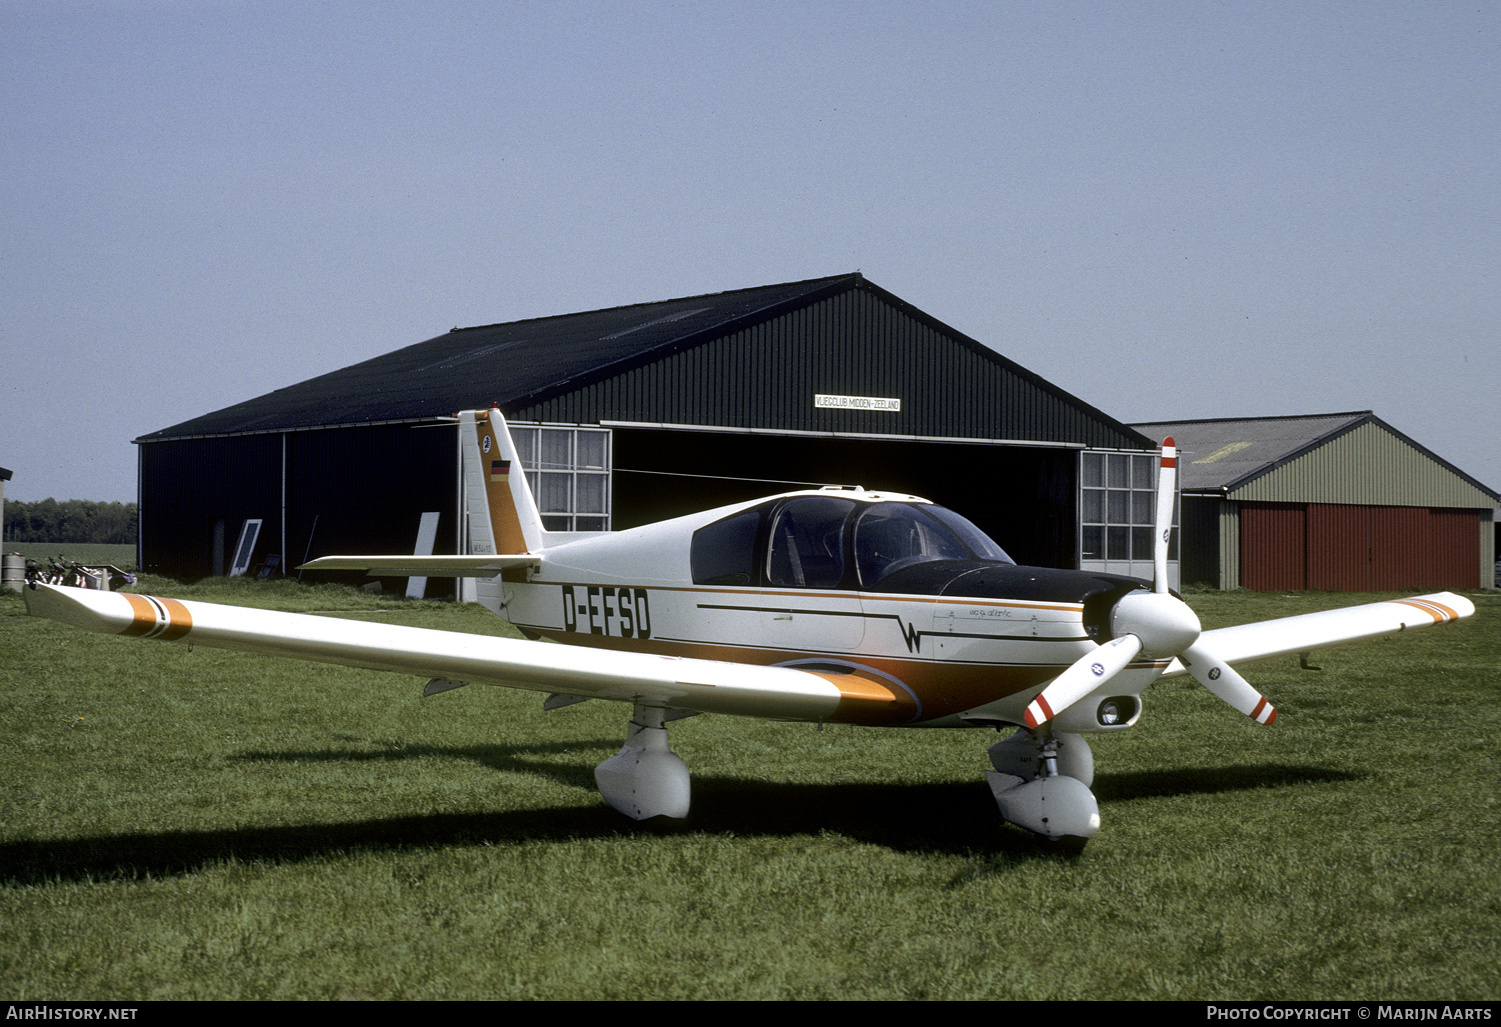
(1171, 210)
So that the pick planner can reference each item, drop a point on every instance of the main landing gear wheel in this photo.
(645, 778)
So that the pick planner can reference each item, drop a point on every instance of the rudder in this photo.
(500, 513)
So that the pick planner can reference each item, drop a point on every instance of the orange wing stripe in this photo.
(179, 620)
(151, 617)
(144, 614)
(1428, 606)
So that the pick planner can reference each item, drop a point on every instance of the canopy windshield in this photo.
(831, 541)
(891, 536)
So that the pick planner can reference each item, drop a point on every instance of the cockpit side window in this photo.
(806, 548)
(724, 553)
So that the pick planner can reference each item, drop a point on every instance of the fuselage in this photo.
(916, 615)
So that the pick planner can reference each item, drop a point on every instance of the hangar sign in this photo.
(856, 402)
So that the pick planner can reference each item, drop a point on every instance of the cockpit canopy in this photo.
(831, 541)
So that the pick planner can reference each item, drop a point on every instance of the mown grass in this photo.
(189, 823)
(91, 553)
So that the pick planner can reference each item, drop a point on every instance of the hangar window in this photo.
(1117, 508)
(568, 470)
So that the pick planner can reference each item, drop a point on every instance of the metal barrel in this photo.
(12, 571)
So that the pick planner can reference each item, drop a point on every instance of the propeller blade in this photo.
(1086, 674)
(1225, 681)
(1156, 622)
(1167, 479)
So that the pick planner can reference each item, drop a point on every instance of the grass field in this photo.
(182, 823)
(122, 556)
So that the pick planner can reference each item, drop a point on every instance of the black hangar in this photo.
(631, 414)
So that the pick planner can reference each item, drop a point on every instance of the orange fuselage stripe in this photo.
(815, 593)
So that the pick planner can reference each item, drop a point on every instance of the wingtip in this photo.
(79, 607)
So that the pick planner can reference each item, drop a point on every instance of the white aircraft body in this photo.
(835, 605)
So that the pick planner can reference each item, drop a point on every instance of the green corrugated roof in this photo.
(1222, 455)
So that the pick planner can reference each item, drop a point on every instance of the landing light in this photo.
(1116, 710)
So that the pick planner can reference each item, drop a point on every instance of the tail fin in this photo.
(499, 509)
(501, 526)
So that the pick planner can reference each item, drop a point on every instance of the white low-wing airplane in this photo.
(834, 605)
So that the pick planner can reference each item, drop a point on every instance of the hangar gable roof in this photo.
(460, 368)
(1352, 457)
(718, 359)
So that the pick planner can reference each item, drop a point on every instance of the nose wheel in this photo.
(1041, 783)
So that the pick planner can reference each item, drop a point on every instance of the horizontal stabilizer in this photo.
(437, 566)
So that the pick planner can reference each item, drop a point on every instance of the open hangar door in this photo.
(1023, 497)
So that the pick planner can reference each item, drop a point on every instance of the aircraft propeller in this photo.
(1156, 625)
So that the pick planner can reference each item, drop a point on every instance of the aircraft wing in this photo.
(1309, 631)
(707, 685)
(437, 566)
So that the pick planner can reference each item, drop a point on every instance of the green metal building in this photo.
(1330, 501)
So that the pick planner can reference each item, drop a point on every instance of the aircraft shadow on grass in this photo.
(513, 759)
(502, 758)
(952, 818)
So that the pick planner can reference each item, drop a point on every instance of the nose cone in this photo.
(1164, 623)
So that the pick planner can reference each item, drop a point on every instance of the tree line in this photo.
(72, 520)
